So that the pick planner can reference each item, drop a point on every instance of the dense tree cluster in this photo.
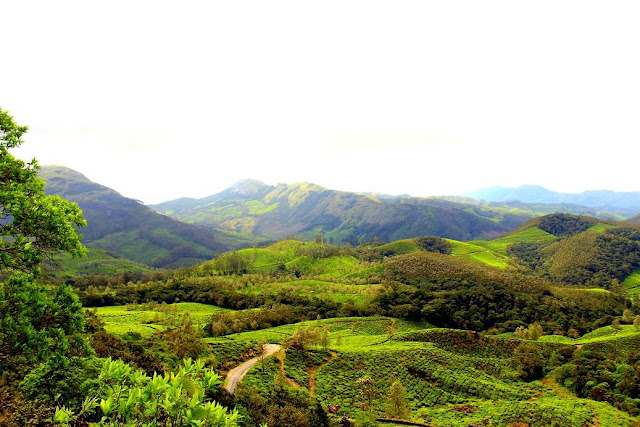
(595, 259)
(452, 293)
(563, 225)
(604, 377)
(434, 244)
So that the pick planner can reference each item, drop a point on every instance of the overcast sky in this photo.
(160, 100)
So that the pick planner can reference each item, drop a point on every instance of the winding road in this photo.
(235, 375)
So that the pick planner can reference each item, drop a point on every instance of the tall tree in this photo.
(397, 402)
(32, 225)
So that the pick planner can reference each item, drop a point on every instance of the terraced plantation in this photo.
(427, 330)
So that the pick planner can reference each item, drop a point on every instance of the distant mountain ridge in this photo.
(304, 209)
(624, 203)
(127, 228)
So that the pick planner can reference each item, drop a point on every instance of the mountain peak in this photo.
(247, 187)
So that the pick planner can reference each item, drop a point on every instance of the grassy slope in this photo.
(632, 283)
(96, 261)
(494, 252)
(145, 319)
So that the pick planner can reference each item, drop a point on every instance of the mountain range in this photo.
(623, 203)
(305, 210)
(187, 231)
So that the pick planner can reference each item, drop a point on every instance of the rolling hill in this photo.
(128, 229)
(304, 210)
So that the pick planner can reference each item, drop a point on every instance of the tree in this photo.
(368, 390)
(303, 337)
(184, 340)
(38, 325)
(397, 402)
(434, 244)
(530, 361)
(615, 325)
(32, 225)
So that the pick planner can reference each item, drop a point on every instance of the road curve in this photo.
(235, 375)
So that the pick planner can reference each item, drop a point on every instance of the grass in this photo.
(478, 254)
(338, 292)
(494, 252)
(96, 261)
(145, 319)
(401, 247)
(632, 283)
(599, 227)
(606, 333)
(500, 245)
(257, 207)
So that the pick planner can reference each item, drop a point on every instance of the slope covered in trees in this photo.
(129, 229)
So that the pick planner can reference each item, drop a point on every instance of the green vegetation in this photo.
(533, 328)
(145, 319)
(303, 209)
(632, 283)
(96, 261)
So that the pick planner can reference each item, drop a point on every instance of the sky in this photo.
(160, 100)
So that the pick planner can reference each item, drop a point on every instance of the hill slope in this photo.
(130, 229)
(304, 210)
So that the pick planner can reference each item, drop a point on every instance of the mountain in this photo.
(538, 209)
(624, 203)
(304, 210)
(127, 228)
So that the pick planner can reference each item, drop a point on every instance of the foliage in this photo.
(61, 379)
(36, 324)
(563, 225)
(450, 292)
(368, 390)
(282, 406)
(230, 263)
(598, 376)
(32, 225)
(434, 244)
(184, 339)
(128, 396)
(533, 332)
(397, 402)
(530, 361)
(304, 337)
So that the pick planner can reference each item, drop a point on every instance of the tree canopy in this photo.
(33, 225)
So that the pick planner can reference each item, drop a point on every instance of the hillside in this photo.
(623, 203)
(303, 210)
(440, 325)
(131, 230)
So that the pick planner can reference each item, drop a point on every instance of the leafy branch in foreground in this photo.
(126, 396)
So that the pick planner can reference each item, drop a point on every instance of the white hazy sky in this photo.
(166, 99)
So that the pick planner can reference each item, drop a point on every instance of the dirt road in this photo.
(235, 375)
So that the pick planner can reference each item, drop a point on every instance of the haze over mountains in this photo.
(624, 203)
